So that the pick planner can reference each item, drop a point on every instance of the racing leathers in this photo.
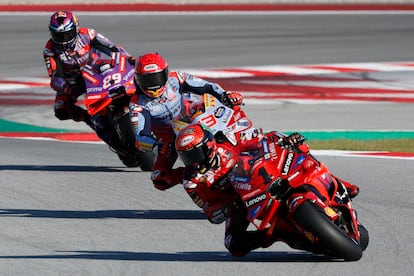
(214, 194)
(163, 110)
(64, 69)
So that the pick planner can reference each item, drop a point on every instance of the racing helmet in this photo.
(64, 28)
(151, 74)
(196, 147)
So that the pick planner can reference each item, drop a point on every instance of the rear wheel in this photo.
(330, 238)
(129, 161)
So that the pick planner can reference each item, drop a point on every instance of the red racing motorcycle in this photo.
(287, 192)
(295, 198)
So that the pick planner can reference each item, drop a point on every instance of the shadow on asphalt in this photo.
(103, 214)
(281, 256)
(66, 168)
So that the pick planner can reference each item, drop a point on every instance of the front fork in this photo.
(334, 213)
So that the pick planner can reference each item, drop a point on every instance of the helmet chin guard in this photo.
(151, 74)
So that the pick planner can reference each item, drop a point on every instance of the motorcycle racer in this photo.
(160, 92)
(68, 50)
(209, 161)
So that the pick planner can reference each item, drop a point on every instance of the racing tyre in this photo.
(330, 238)
(363, 232)
(146, 159)
(128, 161)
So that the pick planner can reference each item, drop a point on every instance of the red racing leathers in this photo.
(212, 192)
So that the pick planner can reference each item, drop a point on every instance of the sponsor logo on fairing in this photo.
(243, 123)
(93, 89)
(90, 78)
(128, 75)
(255, 200)
(299, 161)
(272, 149)
(122, 64)
(209, 121)
(226, 115)
(294, 203)
(237, 178)
(254, 211)
(219, 112)
(288, 163)
(242, 186)
(265, 149)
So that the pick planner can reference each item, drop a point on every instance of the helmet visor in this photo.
(64, 37)
(152, 81)
(197, 157)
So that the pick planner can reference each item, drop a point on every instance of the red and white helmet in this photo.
(196, 147)
(151, 74)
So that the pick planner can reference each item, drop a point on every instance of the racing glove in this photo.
(292, 141)
(119, 97)
(131, 60)
(231, 98)
(163, 180)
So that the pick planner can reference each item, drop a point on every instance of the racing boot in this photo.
(89, 122)
(352, 190)
(237, 239)
(242, 243)
(163, 175)
(81, 115)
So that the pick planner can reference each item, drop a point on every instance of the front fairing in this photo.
(203, 109)
(210, 112)
(273, 182)
(264, 178)
(103, 78)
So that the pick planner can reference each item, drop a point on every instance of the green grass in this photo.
(394, 145)
(395, 141)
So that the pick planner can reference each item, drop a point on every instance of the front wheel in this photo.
(142, 159)
(133, 157)
(364, 237)
(331, 240)
(146, 159)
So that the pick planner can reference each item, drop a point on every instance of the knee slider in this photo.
(63, 113)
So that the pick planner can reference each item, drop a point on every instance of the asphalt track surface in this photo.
(72, 209)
